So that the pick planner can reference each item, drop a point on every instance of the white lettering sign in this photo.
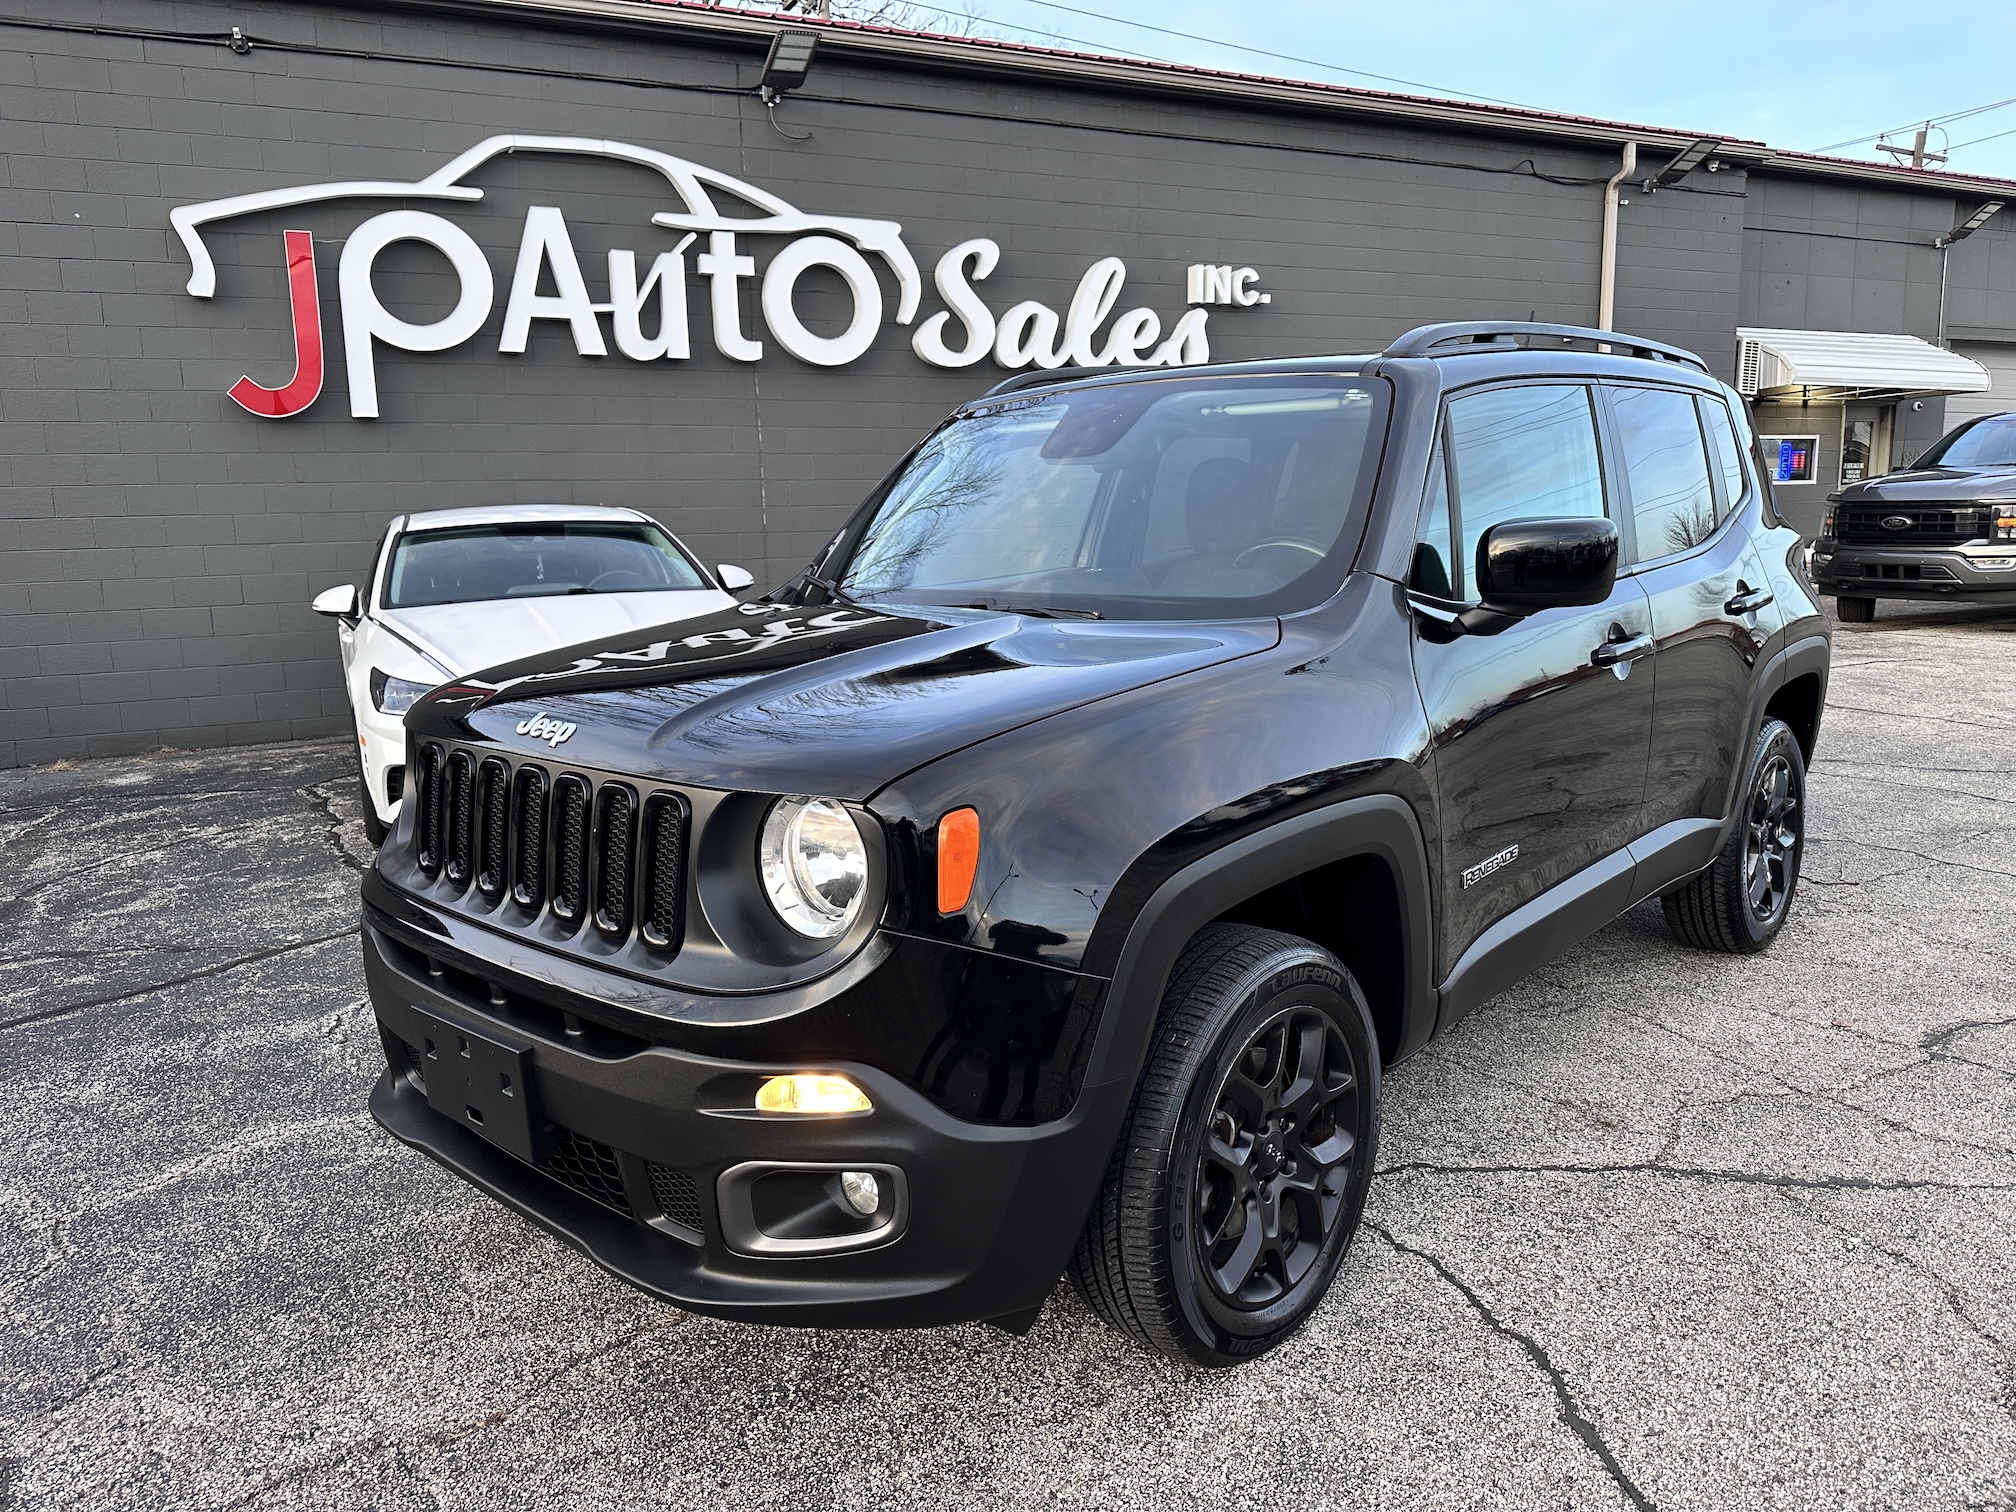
(861, 252)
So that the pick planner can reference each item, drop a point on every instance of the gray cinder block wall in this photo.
(159, 545)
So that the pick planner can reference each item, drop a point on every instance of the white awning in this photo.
(1849, 365)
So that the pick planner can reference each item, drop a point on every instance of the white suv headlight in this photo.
(814, 865)
(395, 695)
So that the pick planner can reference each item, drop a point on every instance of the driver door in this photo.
(1540, 733)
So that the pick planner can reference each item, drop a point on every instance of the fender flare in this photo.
(1808, 654)
(1380, 825)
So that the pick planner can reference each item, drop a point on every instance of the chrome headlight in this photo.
(814, 865)
(395, 695)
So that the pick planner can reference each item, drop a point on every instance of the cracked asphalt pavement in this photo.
(1656, 1229)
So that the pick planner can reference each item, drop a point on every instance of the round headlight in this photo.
(814, 865)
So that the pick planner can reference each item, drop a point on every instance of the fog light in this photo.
(862, 1191)
(812, 1094)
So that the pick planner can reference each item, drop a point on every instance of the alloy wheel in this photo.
(1770, 857)
(1276, 1158)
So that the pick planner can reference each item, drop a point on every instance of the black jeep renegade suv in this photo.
(1044, 879)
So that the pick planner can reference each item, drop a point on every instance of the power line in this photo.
(1262, 52)
(1958, 115)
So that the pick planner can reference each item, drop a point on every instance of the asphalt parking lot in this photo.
(1656, 1229)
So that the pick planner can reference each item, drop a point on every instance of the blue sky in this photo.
(1801, 77)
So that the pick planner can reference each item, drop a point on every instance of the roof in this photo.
(1845, 363)
(983, 53)
(519, 514)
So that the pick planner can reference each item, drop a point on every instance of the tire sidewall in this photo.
(1310, 977)
(1774, 739)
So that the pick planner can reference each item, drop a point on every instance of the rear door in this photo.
(1687, 499)
(1540, 732)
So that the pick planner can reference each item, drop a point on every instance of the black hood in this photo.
(834, 699)
(1933, 485)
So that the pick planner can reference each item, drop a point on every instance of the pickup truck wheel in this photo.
(1855, 611)
(1239, 1179)
(1739, 904)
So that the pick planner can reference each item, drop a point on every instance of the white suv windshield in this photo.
(1171, 498)
(467, 563)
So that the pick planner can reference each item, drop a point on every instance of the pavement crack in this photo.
(1572, 1415)
(1702, 1173)
(323, 802)
(201, 972)
(502, 1414)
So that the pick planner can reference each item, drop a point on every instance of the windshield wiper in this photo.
(1035, 611)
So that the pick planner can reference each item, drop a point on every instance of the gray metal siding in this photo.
(158, 546)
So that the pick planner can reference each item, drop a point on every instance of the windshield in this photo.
(1987, 442)
(467, 563)
(1159, 499)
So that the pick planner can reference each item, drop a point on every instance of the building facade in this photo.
(562, 250)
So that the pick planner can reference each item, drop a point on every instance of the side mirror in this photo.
(1524, 566)
(337, 603)
(734, 578)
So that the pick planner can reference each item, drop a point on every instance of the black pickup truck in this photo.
(1044, 879)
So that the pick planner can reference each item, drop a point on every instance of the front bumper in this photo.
(990, 1217)
(1905, 572)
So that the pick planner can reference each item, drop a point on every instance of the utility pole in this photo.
(1919, 154)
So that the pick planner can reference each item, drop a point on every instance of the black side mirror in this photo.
(1524, 566)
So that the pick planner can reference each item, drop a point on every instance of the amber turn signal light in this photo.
(811, 1093)
(958, 858)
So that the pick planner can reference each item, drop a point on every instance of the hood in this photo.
(1933, 485)
(489, 632)
(836, 699)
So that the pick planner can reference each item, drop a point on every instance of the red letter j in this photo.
(302, 389)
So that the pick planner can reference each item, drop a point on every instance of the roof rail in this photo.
(1037, 377)
(1453, 338)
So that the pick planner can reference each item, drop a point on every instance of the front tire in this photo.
(1240, 1177)
(1855, 611)
(1738, 905)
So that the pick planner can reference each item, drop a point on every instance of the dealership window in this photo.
(1525, 453)
(1672, 504)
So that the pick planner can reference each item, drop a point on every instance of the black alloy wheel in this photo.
(1741, 901)
(1274, 1161)
(1238, 1182)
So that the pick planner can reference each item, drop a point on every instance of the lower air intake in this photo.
(589, 1167)
(678, 1198)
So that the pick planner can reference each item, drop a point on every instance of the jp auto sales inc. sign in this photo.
(646, 303)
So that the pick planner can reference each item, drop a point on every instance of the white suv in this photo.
(452, 591)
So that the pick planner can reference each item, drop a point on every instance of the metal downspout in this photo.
(1606, 278)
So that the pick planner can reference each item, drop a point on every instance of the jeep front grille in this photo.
(1930, 525)
(607, 858)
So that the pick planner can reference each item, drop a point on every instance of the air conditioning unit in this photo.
(1749, 359)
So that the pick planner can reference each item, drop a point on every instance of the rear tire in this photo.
(1855, 611)
(1738, 905)
(1240, 1177)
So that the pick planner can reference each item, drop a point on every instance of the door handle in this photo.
(1748, 600)
(1621, 648)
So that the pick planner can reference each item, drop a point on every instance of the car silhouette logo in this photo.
(1896, 522)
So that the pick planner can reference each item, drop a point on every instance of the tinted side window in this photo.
(1728, 455)
(1438, 571)
(1671, 503)
(1524, 453)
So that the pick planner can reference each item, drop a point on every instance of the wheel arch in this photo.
(1363, 858)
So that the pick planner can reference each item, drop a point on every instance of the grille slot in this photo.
(667, 820)
(494, 814)
(570, 848)
(677, 1196)
(589, 1167)
(528, 860)
(615, 844)
(427, 821)
(459, 818)
(1930, 526)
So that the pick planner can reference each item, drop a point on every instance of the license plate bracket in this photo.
(483, 1082)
